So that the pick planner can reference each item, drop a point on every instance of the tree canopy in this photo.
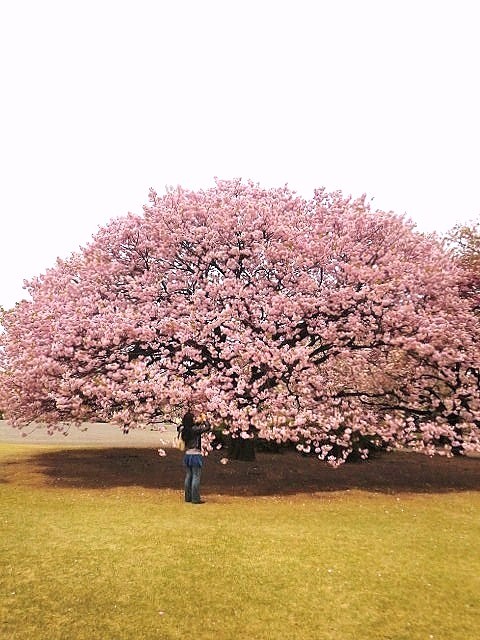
(318, 322)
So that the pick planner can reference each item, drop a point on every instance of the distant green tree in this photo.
(464, 241)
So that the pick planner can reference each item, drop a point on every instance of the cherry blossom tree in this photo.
(314, 322)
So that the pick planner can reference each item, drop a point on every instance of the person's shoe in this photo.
(199, 502)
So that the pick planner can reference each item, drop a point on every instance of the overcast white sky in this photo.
(102, 99)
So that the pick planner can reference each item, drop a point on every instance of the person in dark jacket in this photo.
(191, 434)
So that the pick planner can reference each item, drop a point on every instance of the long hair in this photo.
(186, 427)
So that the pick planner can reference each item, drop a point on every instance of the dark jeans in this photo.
(192, 483)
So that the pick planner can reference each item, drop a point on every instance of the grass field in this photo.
(92, 547)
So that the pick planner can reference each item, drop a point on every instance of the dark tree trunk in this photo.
(453, 420)
(241, 449)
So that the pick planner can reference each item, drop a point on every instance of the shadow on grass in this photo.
(270, 474)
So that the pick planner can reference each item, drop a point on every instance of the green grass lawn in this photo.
(134, 562)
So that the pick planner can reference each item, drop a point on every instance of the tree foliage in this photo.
(464, 242)
(317, 322)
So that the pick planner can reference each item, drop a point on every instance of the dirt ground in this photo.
(90, 434)
(103, 457)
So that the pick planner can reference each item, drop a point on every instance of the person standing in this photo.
(191, 434)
